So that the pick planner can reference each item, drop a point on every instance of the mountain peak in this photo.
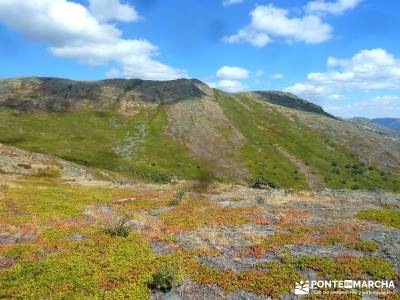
(291, 101)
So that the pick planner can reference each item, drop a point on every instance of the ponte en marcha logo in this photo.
(378, 287)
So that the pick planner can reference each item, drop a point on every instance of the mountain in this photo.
(392, 123)
(183, 129)
(291, 101)
(371, 126)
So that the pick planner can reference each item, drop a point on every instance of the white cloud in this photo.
(268, 21)
(276, 76)
(229, 79)
(382, 106)
(306, 90)
(259, 73)
(106, 10)
(227, 72)
(230, 2)
(231, 86)
(72, 31)
(248, 34)
(367, 70)
(336, 7)
(336, 97)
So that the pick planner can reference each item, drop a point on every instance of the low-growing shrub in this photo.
(386, 216)
(166, 278)
(118, 228)
(365, 246)
(260, 200)
(180, 193)
(261, 183)
(50, 172)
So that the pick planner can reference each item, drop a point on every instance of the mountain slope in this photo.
(392, 123)
(371, 126)
(184, 129)
(289, 100)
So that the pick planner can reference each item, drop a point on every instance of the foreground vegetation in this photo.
(72, 241)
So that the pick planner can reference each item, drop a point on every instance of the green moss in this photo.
(386, 217)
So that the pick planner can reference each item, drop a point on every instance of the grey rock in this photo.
(325, 251)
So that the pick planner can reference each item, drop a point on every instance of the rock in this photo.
(77, 237)
(325, 251)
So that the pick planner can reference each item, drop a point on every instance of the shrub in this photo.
(26, 166)
(386, 217)
(166, 278)
(261, 183)
(260, 200)
(180, 193)
(118, 228)
(160, 177)
(50, 172)
(365, 246)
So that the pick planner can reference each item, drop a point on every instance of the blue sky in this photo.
(341, 54)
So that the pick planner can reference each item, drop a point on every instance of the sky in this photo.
(341, 54)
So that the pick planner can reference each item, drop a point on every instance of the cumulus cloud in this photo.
(336, 7)
(367, 70)
(106, 10)
(230, 2)
(229, 79)
(276, 76)
(231, 85)
(382, 106)
(227, 72)
(72, 31)
(268, 22)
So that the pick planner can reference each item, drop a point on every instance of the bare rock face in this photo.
(52, 94)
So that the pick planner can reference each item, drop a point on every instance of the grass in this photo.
(139, 146)
(264, 126)
(49, 173)
(259, 154)
(386, 217)
(91, 139)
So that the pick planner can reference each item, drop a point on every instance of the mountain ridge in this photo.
(183, 129)
(392, 123)
(164, 92)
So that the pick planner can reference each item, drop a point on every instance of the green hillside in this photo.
(209, 135)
